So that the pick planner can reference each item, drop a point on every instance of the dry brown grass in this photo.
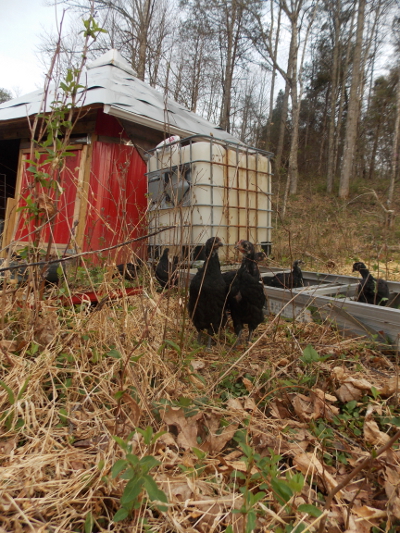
(94, 374)
(330, 235)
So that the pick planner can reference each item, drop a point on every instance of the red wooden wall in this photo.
(63, 222)
(116, 195)
(117, 198)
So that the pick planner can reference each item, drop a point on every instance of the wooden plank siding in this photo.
(104, 196)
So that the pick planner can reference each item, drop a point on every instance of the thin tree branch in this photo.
(364, 464)
(82, 254)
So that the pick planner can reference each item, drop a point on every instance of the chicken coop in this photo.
(103, 183)
(204, 187)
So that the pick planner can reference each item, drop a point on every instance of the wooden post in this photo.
(82, 193)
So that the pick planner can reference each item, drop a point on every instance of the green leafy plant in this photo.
(136, 472)
(34, 347)
(310, 355)
(199, 466)
(268, 478)
(9, 414)
(350, 418)
(375, 392)
(89, 523)
(231, 386)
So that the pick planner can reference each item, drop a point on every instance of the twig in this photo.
(268, 329)
(365, 464)
(397, 370)
(70, 257)
(321, 517)
(20, 511)
(9, 246)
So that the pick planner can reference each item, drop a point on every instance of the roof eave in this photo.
(117, 112)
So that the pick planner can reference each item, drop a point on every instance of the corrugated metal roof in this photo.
(110, 81)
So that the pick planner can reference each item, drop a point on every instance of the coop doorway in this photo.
(9, 152)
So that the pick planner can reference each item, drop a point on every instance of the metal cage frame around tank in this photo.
(236, 168)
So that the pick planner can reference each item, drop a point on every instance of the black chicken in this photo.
(246, 296)
(371, 290)
(166, 273)
(130, 271)
(198, 253)
(207, 293)
(230, 275)
(260, 256)
(287, 280)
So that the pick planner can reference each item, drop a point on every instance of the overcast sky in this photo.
(22, 22)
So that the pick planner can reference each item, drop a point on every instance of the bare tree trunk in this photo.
(139, 20)
(145, 13)
(297, 73)
(291, 87)
(395, 157)
(333, 100)
(154, 56)
(233, 32)
(196, 76)
(294, 144)
(282, 126)
(273, 76)
(178, 80)
(374, 150)
(345, 68)
(246, 110)
(192, 68)
(285, 197)
(323, 135)
(353, 110)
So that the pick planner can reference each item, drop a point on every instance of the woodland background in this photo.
(315, 82)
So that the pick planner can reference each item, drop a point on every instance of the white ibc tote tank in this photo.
(205, 187)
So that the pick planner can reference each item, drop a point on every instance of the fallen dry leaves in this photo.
(190, 430)
(94, 381)
(310, 465)
(315, 406)
(372, 434)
